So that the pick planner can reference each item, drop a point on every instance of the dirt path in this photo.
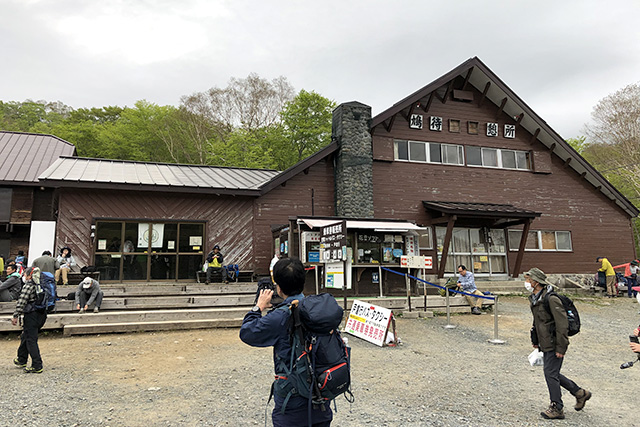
(438, 377)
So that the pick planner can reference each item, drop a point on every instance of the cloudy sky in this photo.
(560, 57)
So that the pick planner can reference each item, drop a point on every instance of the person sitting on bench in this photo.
(216, 260)
(88, 293)
(10, 288)
(467, 284)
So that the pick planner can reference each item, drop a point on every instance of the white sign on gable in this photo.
(435, 123)
(369, 322)
(416, 121)
(510, 131)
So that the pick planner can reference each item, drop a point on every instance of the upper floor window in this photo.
(430, 152)
(498, 158)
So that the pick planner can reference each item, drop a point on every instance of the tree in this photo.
(579, 143)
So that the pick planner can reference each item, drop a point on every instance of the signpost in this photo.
(369, 322)
(333, 249)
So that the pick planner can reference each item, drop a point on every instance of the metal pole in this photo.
(448, 325)
(406, 279)
(424, 285)
(495, 339)
(380, 280)
(315, 273)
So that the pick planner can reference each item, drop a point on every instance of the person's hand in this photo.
(78, 307)
(637, 332)
(86, 307)
(535, 346)
(264, 300)
(14, 321)
(635, 347)
(559, 356)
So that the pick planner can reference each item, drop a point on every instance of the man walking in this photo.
(33, 320)
(550, 334)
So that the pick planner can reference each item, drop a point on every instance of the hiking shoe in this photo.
(18, 363)
(553, 413)
(96, 309)
(581, 398)
(81, 311)
(32, 370)
(476, 310)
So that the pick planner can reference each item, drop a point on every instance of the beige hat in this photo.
(537, 275)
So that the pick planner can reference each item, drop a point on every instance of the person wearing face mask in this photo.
(550, 335)
(32, 321)
(10, 288)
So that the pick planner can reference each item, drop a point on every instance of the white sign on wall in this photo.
(416, 262)
(369, 322)
(334, 275)
(41, 238)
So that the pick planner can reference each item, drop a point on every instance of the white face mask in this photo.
(528, 286)
(24, 279)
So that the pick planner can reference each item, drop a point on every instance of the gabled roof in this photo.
(489, 210)
(24, 156)
(478, 75)
(81, 172)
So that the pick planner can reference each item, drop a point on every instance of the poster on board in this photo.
(334, 277)
(369, 322)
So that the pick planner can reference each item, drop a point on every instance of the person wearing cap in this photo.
(630, 276)
(550, 335)
(88, 293)
(66, 262)
(467, 284)
(215, 260)
(607, 269)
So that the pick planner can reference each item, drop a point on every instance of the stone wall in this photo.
(354, 162)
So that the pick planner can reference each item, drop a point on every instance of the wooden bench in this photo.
(76, 277)
(216, 277)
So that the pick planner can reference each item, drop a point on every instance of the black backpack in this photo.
(319, 368)
(572, 312)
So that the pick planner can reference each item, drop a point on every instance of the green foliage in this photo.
(579, 143)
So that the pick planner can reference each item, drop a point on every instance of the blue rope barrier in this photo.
(438, 286)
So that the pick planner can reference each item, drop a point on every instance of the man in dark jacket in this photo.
(88, 293)
(32, 321)
(46, 263)
(550, 334)
(272, 330)
(216, 260)
(10, 288)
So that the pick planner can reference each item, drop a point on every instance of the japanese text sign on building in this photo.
(416, 121)
(435, 123)
(333, 242)
(416, 262)
(369, 322)
(510, 131)
(492, 129)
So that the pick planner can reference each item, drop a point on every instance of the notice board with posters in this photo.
(369, 322)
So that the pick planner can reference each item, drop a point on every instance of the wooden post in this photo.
(445, 248)
(523, 243)
(406, 279)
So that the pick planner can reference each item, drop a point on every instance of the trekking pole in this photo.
(495, 339)
(406, 279)
(448, 325)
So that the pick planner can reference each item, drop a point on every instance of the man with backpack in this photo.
(33, 320)
(550, 334)
(273, 330)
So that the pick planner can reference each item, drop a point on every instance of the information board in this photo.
(416, 262)
(369, 322)
(334, 277)
(333, 242)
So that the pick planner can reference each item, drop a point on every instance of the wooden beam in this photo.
(567, 161)
(502, 104)
(484, 93)
(534, 136)
(440, 220)
(523, 244)
(445, 248)
(583, 174)
(428, 105)
(552, 147)
(389, 125)
(466, 79)
(519, 119)
(446, 94)
(413, 107)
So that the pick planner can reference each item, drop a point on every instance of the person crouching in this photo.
(88, 293)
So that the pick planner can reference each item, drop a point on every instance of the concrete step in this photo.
(151, 326)
(168, 289)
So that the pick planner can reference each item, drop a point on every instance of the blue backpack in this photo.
(46, 293)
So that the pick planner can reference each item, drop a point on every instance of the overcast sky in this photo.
(560, 57)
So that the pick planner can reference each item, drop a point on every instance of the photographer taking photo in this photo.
(635, 347)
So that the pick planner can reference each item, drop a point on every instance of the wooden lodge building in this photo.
(460, 171)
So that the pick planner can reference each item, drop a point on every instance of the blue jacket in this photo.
(272, 330)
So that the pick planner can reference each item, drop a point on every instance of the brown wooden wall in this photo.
(567, 202)
(292, 199)
(228, 219)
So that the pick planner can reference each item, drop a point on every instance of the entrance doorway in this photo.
(481, 250)
(147, 251)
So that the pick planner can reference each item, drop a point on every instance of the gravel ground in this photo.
(438, 377)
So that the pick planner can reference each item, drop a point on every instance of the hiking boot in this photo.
(96, 309)
(553, 413)
(81, 311)
(18, 363)
(581, 398)
(476, 310)
(32, 370)
(226, 282)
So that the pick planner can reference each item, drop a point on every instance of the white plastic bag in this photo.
(536, 358)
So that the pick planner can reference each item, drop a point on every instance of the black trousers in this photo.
(212, 270)
(31, 325)
(555, 379)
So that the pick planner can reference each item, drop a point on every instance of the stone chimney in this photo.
(354, 164)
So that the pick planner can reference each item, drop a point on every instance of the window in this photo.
(498, 158)
(417, 151)
(424, 239)
(542, 240)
